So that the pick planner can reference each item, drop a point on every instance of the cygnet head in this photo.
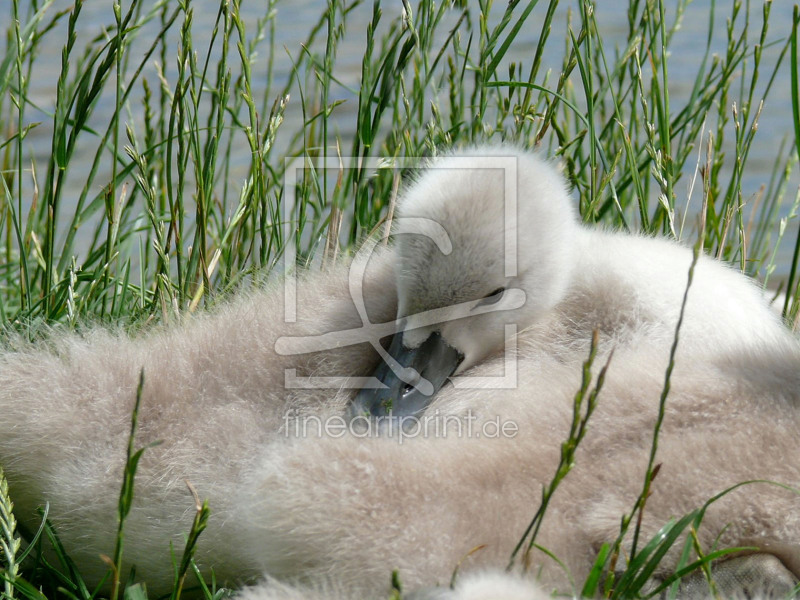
(483, 239)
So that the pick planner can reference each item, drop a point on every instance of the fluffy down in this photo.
(333, 515)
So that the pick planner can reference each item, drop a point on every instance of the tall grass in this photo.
(169, 209)
(177, 195)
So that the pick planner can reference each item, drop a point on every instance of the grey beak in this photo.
(433, 360)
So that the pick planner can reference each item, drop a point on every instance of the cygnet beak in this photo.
(410, 387)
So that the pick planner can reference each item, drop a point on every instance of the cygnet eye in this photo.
(492, 298)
